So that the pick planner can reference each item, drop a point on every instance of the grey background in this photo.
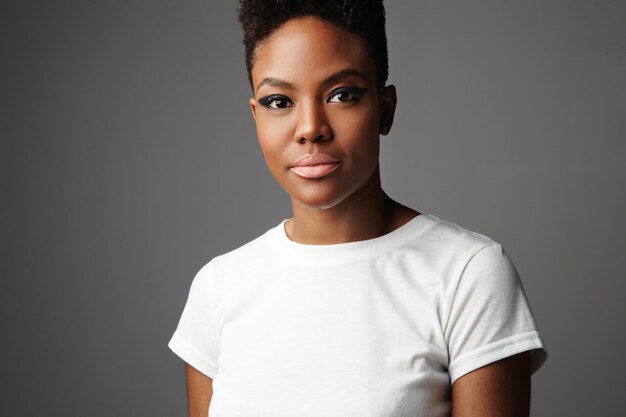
(129, 158)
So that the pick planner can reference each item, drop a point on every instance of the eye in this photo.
(276, 101)
(344, 95)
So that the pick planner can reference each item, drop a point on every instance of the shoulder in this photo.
(448, 240)
(444, 252)
(468, 263)
(256, 248)
(244, 257)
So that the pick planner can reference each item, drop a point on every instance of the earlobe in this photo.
(252, 102)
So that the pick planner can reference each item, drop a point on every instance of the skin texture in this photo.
(199, 392)
(500, 389)
(312, 110)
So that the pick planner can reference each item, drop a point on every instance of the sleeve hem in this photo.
(189, 354)
(501, 349)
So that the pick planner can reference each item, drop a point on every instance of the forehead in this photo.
(305, 50)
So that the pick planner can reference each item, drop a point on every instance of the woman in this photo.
(357, 305)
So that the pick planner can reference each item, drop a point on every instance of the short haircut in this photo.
(364, 18)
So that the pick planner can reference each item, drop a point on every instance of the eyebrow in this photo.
(333, 78)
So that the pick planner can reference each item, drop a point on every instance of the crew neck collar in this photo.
(301, 253)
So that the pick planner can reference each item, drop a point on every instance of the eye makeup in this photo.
(354, 92)
(275, 98)
(279, 101)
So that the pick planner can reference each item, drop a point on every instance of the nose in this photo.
(312, 124)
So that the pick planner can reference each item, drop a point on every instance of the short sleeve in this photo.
(195, 338)
(490, 317)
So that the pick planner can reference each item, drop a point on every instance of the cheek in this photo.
(272, 138)
(360, 133)
(361, 119)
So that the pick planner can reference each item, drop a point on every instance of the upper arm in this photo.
(199, 392)
(499, 389)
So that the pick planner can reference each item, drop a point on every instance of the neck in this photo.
(366, 214)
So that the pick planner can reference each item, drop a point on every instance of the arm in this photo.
(500, 389)
(199, 392)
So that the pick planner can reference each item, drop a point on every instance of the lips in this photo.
(315, 165)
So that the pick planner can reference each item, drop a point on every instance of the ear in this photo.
(253, 103)
(387, 103)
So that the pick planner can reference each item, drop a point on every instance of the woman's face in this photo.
(316, 97)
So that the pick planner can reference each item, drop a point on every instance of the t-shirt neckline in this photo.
(301, 253)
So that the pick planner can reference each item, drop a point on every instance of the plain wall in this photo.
(129, 158)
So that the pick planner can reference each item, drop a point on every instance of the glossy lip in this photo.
(315, 165)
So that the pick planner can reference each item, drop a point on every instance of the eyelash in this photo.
(354, 92)
(267, 100)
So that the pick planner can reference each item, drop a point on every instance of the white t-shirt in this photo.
(378, 328)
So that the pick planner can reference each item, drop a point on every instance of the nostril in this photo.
(324, 137)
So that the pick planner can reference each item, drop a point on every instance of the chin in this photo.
(318, 199)
(315, 198)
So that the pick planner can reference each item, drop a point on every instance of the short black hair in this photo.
(364, 18)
